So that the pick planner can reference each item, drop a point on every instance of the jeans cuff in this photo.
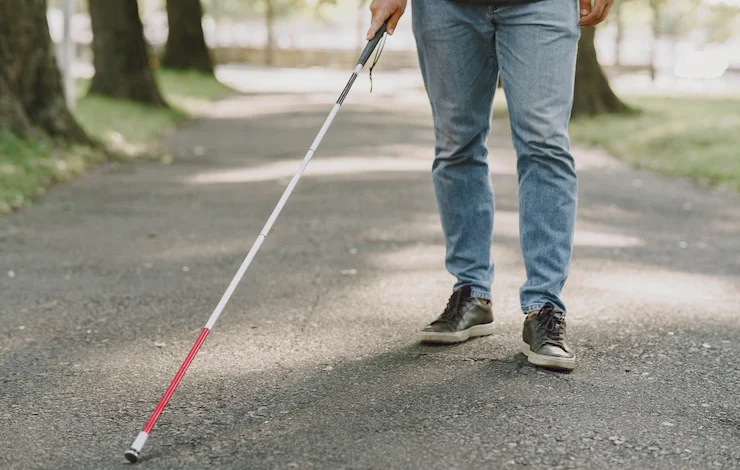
(536, 307)
(480, 294)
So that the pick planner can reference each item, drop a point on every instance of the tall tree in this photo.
(618, 37)
(275, 9)
(271, 11)
(121, 58)
(32, 102)
(270, 25)
(655, 5)
(593, 95)
(186, 46)
(721, 22)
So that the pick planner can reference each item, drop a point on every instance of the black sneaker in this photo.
(464, 317)
(544, 340)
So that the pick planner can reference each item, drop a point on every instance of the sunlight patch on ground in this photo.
(506, 223)
(242, 107)
(414, 260)
(606, 240)
(320, 167)
(259, 79)
(598, 159)
(328, 166)
(653, 285)
(298, 339)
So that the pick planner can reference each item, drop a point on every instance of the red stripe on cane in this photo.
(173, 385)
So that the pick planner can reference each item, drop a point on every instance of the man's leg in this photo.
(537, 45)
(458, 63)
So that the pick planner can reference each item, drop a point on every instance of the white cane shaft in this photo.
(301, 168)
(273, 217)
(235, 282)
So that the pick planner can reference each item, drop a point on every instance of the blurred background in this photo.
(648, 43)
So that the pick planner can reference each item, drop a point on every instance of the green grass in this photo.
(128, 129)
(28, 168)
(130, 126)
(696, 137)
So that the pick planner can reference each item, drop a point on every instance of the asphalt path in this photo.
(106, 281)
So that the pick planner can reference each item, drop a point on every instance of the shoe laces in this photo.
(553, 322)
(452, 310)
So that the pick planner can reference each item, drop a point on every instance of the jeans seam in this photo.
(500, 65)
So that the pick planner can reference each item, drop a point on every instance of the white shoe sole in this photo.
(550, 362)
(458, 336)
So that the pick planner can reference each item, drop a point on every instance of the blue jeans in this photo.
(462, 48)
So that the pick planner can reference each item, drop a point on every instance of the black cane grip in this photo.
(372, 43)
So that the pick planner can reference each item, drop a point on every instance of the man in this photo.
(463, 45)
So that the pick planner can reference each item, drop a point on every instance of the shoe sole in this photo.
(548, 362)
(458, 336)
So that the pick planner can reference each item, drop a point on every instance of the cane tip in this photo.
(131, 455)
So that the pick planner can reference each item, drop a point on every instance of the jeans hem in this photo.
(535, 307)
(480, 294)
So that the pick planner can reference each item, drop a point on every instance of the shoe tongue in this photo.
(465, 292)
(551, 310)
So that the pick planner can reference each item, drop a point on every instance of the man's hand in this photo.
(591, 16)
(382, 10)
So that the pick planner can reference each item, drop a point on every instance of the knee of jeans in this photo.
(546, 162)
(456, 146)
(543, 143)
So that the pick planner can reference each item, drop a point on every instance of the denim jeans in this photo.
(462, 48)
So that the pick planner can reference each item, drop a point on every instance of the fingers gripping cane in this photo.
(132, 455)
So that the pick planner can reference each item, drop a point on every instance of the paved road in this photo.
(314, 364)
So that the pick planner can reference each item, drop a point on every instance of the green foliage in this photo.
(127, 128)
(118, 122)
(27, 168)
(677, 17)
(236, 9)
(721, 22)
(189, 88)
(79, 5)
(693, 137)
(256, 8)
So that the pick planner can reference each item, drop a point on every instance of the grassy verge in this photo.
(125, 124)
(28, 168)
(696, 137)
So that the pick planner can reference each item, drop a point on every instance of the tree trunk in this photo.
(32, 100)
(654, 4)
(270, 24)
(360, 27)
(620, 34)
(186, 46)
(593, 95)
(121, 59)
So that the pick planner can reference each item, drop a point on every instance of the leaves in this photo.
(254, 8)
